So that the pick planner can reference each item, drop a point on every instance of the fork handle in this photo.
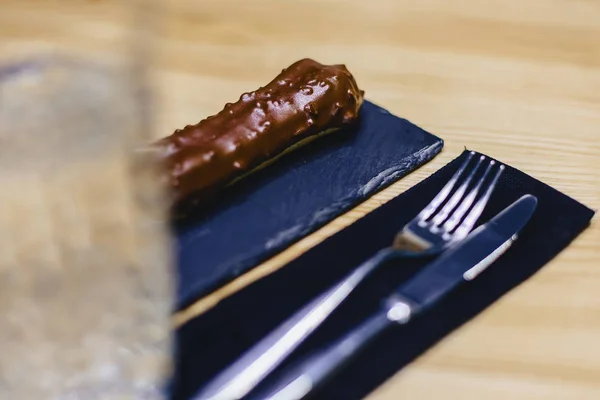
(259, 361)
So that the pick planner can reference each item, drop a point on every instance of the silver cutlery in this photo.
(446, 220)
(464, 262)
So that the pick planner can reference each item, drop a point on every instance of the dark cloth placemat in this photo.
(277, 206)
(210, 342)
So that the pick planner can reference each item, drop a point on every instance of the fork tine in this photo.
(468, 201)
(471, 218)
(458, 195)
(443, 194)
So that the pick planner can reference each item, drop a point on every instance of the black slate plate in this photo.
(270, 210)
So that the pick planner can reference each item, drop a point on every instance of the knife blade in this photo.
(463, 263)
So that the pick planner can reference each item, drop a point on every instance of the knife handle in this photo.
(305, 378)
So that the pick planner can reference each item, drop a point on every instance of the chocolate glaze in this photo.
(305, 99)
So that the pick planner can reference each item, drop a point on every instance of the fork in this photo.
(447, 219)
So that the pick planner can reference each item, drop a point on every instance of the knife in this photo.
(462, 263)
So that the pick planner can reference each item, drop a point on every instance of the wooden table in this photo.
(518, 80)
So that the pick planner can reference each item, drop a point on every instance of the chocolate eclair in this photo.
(304, 101)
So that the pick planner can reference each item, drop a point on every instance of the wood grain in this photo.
(518, 80)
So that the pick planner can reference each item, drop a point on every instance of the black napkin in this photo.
(213, 340)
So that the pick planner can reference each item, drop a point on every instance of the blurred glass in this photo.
(86, 288)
